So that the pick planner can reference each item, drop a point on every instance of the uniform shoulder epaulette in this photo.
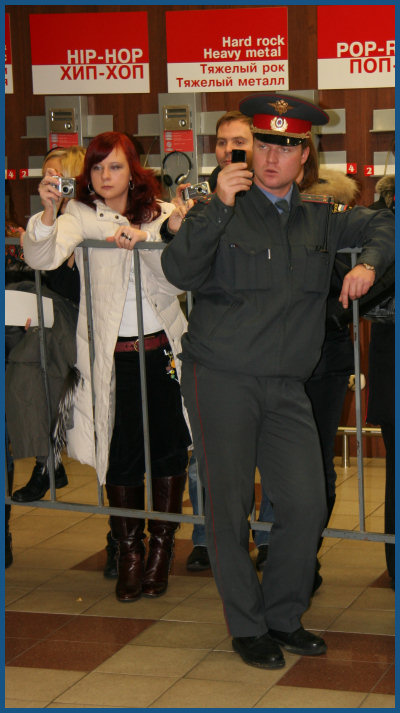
(325, 200)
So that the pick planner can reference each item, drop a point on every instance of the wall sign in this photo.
(356, 46)
(227, 50)
(8, 84)
(178, 141)
(90, 53)
(64, 140)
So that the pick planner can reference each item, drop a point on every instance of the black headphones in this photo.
(182, 177)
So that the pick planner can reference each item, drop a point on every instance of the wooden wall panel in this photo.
(359, 143)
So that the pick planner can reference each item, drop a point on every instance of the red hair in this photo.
(142, 205)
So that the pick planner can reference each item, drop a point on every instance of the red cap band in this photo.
(281, 124)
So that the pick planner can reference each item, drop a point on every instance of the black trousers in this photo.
(169, 435)
(388, 435)
(240, 422)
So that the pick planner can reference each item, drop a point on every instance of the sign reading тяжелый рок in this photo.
(227, 50)
(356, 46)
(90, 53)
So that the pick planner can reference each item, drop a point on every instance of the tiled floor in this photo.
(71, 644)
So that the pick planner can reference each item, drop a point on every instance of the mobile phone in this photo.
(239, 155)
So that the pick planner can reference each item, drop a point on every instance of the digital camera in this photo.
(197, 192)
(66, 186)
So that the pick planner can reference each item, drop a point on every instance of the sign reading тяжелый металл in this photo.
(90, 53)
(227, 50)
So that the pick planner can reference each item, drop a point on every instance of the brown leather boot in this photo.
(128, 533)
(167, 497)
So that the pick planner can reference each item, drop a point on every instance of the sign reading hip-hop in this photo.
(90, 53)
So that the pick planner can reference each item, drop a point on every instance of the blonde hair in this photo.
(71, 159)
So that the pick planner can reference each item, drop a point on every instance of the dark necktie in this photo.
(284, 211)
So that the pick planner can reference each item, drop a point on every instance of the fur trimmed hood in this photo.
(336, 184)
(385, 188)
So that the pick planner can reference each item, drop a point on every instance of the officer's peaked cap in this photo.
(281, 118)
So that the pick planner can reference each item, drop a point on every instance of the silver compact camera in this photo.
(197, 191)
(67, 187)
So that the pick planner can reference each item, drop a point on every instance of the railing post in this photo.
(345, 452)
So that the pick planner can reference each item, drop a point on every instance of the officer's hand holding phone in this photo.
(235, 179)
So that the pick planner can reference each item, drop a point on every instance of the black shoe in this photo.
(259, 651)
(198, 559)
(299, 642)
(8, 558)
(39, 484)
(111, 569)
(262, 557)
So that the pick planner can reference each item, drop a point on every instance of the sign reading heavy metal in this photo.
(90, 53)
(356, 46)
(227, 50)
(8, 83)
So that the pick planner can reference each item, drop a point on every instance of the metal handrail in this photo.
(100, 508)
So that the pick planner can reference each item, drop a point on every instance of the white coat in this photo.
(46, 248)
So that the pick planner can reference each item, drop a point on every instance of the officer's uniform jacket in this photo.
(260, 293)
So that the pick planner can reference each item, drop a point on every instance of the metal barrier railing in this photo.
(101, 508)
(346, 431)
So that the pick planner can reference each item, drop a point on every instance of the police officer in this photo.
(259, 265)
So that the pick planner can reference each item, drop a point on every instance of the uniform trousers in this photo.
(239, 422)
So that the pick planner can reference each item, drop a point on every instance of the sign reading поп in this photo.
(90, 53)
(232, 49)
(356, 46)
(8, 82)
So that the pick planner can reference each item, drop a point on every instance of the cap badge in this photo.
(279, 124)
(281, 106)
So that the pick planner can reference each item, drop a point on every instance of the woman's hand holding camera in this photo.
(50, 196)
(181, 208)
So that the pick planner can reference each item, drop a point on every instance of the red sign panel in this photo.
(227, 50)
(8, 84)
(178, 141)
(64, 140)
(90, 53)
(351, 169)
(356, 46)
(369, 170)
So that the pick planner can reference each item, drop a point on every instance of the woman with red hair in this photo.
(117, 202)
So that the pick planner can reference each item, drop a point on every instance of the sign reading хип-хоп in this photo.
(356, 46)
(90, 53)
(229, 49)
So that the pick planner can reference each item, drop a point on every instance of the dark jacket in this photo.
(381, 369)
(260, 295)
(25, 396)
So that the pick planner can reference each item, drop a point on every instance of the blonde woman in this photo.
(26, 408)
